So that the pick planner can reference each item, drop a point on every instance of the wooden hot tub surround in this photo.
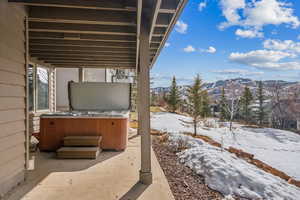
(113, 129)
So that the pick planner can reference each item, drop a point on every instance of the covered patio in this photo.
(119, 34)
(111, 176)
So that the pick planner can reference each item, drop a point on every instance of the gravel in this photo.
(184, 183)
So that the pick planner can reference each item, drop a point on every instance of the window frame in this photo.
(35, 88)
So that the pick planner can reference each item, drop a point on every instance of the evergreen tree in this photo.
(260, 97)
(194, 95)
(222, 106)
(246, 101)
(153, 99)
(173, 98)
(205, 112)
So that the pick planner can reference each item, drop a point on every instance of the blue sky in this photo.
(219, 39)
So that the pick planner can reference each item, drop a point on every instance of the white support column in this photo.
(80, 74)
(144, 103)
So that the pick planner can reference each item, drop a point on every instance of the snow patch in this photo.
(277, 148)
(230, 175)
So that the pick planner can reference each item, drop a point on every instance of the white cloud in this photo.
(282, 45)
(239, 72)
(265, 59)
(270, 12)
(189, 49)
(181, 27)
(230, 10)
(164, 80)
(167, 44)
(259, 56)
(248, 33)
(280, 66)
(211, 50)
(201, 6)
(256, 14)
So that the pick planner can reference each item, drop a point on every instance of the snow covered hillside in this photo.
(230, 175)
(278, 148)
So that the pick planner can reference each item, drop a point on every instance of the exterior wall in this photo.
(95, 75)
(63, 76)
(12, 96)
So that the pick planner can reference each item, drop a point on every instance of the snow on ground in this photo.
(278, 148)
(230, 175)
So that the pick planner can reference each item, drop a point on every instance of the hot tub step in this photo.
(78, 152)
(82, 141)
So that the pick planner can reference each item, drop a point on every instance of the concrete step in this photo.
(82, 141)
(78, 152)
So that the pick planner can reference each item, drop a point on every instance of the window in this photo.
(42, 84)
(38, 80)
(31, 87)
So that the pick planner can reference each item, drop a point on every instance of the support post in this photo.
(144, 103)
(80, 74)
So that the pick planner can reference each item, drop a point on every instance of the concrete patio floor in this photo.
(113, 175)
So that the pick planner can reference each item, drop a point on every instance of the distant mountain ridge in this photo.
(215, 88)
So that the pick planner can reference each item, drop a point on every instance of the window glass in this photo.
(42, 78)
(31, 87)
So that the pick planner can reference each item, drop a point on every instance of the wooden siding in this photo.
(12, 96)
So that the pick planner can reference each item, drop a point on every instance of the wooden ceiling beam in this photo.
(78, 53)
(82, 37)
(153, 17)
(85, 56)
(139, 5)
(47, 59)
(113, 5)
(81, 16)
(81, 29)
(70, 48)
(91, 62)
(95, 66)
(167, 11)
(78, 43)
(178, 5)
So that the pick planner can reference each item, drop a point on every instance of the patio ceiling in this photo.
(96, 33)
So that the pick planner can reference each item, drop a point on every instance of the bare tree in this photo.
(233, 97)
(285, 106)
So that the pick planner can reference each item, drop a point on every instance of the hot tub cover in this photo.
(95, 96)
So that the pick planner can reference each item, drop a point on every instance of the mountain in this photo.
(215, 88)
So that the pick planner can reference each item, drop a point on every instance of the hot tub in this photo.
(91, 115)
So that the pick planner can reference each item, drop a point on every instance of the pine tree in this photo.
(194, 95)
(246, 101)
(260, 97)
(205, 112)
(173, 98)
(222, 105)
(153, 98)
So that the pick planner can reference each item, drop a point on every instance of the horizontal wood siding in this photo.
(12, 96)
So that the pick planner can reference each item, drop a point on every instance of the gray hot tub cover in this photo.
(99, 96)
